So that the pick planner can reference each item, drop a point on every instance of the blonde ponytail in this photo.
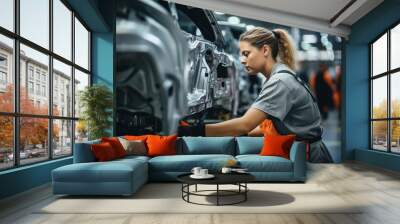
(286, 50)
(278, 40)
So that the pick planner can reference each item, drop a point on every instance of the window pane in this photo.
(81, 45)
(395, 47)
(379, 97)
(6, 142)
(7, 14)
(379, 55)
(62, 89)
(81, 81)
(34, 78)
(62, 138)
(395, 94)
(6, 74)
(34, 17)
(395, 136)
(379, 135)
(62, 29)
(33, 139)
(81, 131)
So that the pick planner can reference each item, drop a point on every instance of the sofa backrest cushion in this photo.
(249, 145)
(83, 153)
(206, 145)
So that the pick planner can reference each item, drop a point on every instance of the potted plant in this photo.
(96, 104)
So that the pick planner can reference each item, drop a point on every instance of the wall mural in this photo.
(180, 63)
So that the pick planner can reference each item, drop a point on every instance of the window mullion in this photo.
(50, 81)
(73, 82)
(16, 84)
(389, 106)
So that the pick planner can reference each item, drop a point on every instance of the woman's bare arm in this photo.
(256, 132)
(238, 126)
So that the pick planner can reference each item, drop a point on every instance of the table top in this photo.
(220, 178)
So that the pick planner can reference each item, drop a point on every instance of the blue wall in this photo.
(357, 84)
(103, 61)
(24, 178)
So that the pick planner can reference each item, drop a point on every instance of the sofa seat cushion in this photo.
(257, 163)
(185, 163)
(112, 171)
(133, 158)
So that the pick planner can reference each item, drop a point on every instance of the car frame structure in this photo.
(171, 66)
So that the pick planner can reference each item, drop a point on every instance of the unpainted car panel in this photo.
(151, 70)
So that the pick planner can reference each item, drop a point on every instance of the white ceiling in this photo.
(315, 15)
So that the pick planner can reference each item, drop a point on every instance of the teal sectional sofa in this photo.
(125, 176)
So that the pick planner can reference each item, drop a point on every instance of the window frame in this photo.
(388, 74)
(16, 114)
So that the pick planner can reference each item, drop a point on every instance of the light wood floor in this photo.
(377, 188)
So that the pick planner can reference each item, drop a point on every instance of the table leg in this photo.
(188, 189)
(196, 188)
(217, 194)
(245, 193)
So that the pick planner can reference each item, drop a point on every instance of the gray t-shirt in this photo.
(291, 106)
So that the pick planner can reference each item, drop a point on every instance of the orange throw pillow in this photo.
(277, 145)
(116, 145)
(161, 145)
(268, 127)
(136, 137)
(103, 151)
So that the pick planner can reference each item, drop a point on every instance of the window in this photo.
(37, 74)
(34, 21)
(3, 61)
(62, 29)
(7, 142)
(37, 89)
(81, 45)
(7, 14)
(81, 81)
(6, 73)
(3, 78)
(62, 74)
(54, 126)
(30, 72)
(43, 90)
(385, 96)
(30, 87)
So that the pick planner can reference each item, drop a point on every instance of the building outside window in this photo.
(3, 61)
(385, 96)
(60, 126)
(43, 90)
(30, 72)
(30, 87)
(3, 78)
(44, 77)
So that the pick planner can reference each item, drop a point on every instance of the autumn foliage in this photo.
(33, 131)
(380, 127)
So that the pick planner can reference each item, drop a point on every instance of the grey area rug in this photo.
(166, 198)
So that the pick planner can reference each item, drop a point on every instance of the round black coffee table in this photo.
(238, 179)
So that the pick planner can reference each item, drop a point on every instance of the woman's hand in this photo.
(195, 130)
(238, 126)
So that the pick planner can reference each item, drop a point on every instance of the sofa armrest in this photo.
(83, 152)
(298, 157)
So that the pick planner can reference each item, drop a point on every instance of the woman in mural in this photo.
(284, 99)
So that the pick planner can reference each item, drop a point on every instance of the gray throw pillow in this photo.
(134, 147)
